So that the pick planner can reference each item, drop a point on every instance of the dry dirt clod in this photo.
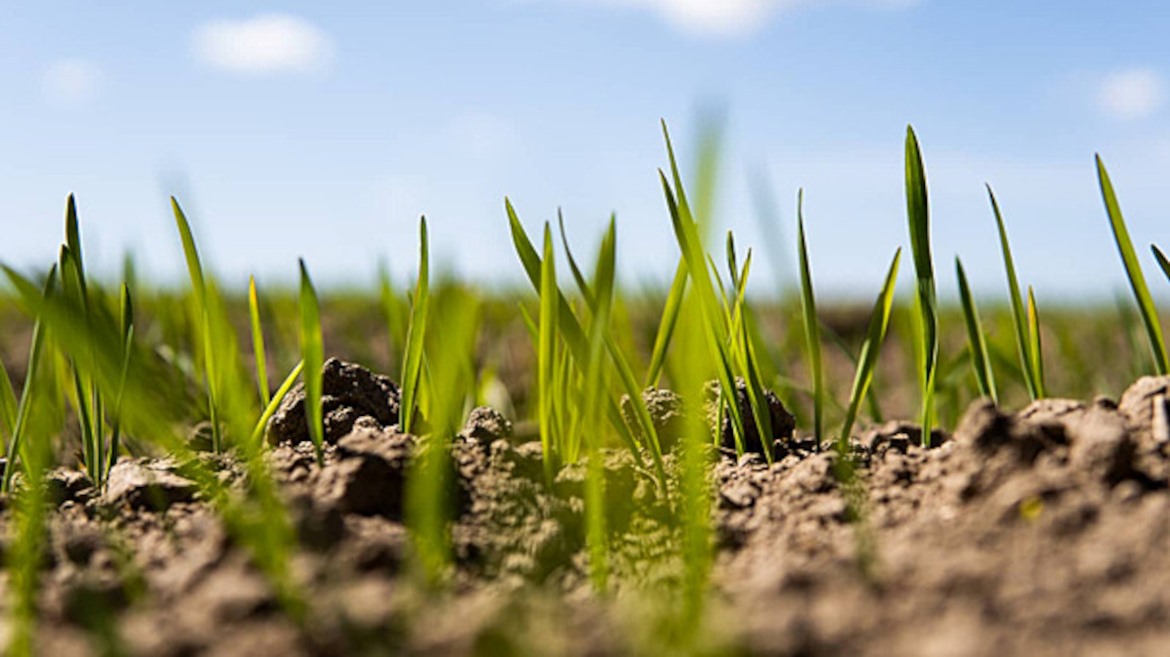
(147, 484)
(349, 392)
(666, 412)
(486, 425)
(783, 423)
(367, 475)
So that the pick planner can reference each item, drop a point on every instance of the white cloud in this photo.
(1131, 94)
(71, 81)
(729, 18)
(262, 45)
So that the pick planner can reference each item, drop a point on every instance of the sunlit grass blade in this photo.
(415, 333)
(1019, 313)
(812, 325)
(313, 355)
(867, 360)
(546, 358)
(918, 213)
(258, 349)
(980, 360)
(666, 324)
(126, 328)
(199, 289)
(274, 402)
(1133, 271)
(1034, 345)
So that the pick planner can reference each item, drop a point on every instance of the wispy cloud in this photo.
(731, 18)
(71, 81)
(1131, 94)
(263, 45)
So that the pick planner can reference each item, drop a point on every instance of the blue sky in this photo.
(324, 130)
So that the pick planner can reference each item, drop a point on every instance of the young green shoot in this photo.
(258, 343)
(313, 356)
(1033, 380)
(918, 213)
(412, 362)
(1133, 271)
(546, 358)
(812, 333)
(980, 358)
(879, 321)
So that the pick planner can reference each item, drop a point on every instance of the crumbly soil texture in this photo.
(1040, 532)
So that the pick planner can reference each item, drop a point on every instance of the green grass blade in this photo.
(1019, 314)
(1034, 339)
(415, 332)
(1133, 270)
(812, 325)
(7, 405)
(258, 343)
(546, 358)
(918, 214)
(274, 402)
(313, 355)
(980, 359)
(879, 321)
(666, 324)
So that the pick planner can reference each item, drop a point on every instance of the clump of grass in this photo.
(721, 331)
(918, 212)
(1031, 360)
(977, 339)
(1133, 271)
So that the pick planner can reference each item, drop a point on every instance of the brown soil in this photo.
(1045, 532)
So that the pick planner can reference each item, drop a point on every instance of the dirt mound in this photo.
(1043, 532)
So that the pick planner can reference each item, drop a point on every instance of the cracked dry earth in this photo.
(1043, 532)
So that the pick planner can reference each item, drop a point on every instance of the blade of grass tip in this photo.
(918, 213)
(258, 343)
(29, 392)
(1019, 316)
(1034, 340)
(1133, 270)
(980, 360)
(879, 321)
(550, 438)
(274, 402)
(415, 332)
(812, 325)
(1162, 261)
(313, 354)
